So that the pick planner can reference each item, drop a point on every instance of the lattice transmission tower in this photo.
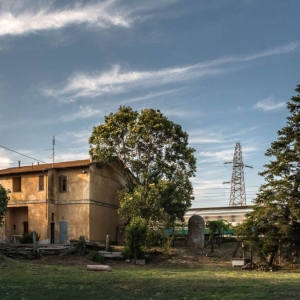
(237, 193)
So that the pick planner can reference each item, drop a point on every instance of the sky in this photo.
(222, 69)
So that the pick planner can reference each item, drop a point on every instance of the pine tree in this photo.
(274, 224)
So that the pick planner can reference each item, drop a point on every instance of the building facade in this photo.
(232, 214)
(62, 201)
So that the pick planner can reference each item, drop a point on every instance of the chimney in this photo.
(91, 157)
(38, 162)
(19, 163)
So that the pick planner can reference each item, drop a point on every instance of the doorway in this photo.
(63, 232)
(52, 227)
(25, 227)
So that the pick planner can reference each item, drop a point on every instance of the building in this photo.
(232, 214)
(62, 201)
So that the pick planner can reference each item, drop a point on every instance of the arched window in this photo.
(63, 183)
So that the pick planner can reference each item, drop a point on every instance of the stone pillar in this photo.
(107, 247)
(196, 232)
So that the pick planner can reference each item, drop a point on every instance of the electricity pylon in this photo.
(237, 193)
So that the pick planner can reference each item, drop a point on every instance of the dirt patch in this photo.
(179, 257)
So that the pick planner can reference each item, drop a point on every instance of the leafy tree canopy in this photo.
(3, 203)
(152, 155)
(275, 221)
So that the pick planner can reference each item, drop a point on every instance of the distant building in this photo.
(62, 201)
(232, 214)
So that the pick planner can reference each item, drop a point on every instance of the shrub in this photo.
(28, 239)
(96, 256)
(136, 238)
(80, 247)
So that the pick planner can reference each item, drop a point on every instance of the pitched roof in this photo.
(43, 167)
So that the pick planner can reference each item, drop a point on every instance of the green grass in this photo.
(27, 280)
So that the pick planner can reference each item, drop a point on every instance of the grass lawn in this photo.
(201, 278)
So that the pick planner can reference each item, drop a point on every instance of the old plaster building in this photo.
(62, 201)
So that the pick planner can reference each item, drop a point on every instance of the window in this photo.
(17, 184)
(62, 183)
(41, 182)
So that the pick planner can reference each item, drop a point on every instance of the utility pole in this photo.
(237, 193)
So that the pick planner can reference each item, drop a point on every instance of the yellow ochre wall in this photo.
(104, 219)
(71, 206)
(28, 205)
(89, 206)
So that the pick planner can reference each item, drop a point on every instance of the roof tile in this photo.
(42, 167)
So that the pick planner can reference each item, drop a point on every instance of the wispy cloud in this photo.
(73, 145)
(72, 155)
(116, 81)
(32, 18)
(5, 161)
(75, 137)
(205, 136)
(119, 80)
(217, 156)
(83, 113)
(153, 95)
(223, 155)
(269, 104)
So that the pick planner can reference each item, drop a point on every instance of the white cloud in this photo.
(83, 113)
(269, 104)
(77, 145)
(31, 19)
(217, 156)
(69, 156)
(75, 137)
(152, 95)
(5, 161)
(225, 155)
(205, 136)
(118, 80)
(30, 16)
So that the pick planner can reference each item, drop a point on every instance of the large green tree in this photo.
(3, 203)
(274, 224)
(152, 155)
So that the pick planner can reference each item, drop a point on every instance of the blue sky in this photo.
(223, 69)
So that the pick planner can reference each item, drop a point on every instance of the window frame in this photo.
(41, 183)
(15, 185)
(62, 183)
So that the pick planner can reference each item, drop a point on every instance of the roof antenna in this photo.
(53, 153)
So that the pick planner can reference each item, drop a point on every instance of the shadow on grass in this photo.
(24, 280)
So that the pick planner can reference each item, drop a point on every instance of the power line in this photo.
(23, 154)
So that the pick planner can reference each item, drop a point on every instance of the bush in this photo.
(28, 239)
(96, 256)
(80, 247)
(136, 238)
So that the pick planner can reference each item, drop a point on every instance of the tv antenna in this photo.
(53, 152)
(237, 193)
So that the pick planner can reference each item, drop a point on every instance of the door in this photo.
(63, 232)
(52, 233)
